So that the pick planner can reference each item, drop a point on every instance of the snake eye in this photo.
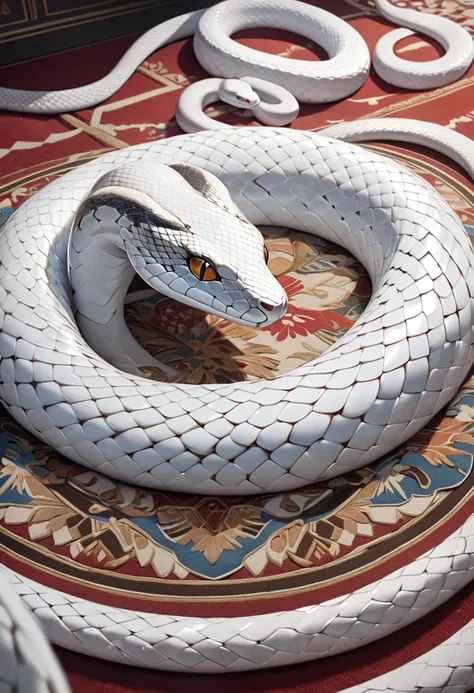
(266, 254)
(202, 269)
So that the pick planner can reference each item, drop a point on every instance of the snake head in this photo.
(238, 93)
(187, 239)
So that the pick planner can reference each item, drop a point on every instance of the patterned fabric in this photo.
(78, 515)
(327, 291)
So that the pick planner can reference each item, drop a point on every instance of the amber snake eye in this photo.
(202, 269)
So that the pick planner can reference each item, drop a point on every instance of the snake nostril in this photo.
(268, 306)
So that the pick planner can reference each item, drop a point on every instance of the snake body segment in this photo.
(342, 74)
(400, 363)
(407, 74)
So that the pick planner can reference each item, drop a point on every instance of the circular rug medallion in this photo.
(89, 535)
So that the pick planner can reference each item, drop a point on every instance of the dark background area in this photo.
(31, 28)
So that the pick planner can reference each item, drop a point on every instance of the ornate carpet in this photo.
(177, 554)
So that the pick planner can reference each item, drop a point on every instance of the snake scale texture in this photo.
(382, 382)
(402, 361)
(409, 240)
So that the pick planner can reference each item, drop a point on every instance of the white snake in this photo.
(401, 362)
(272, 99)
(341, 75)
(179, 229)
(411, 348)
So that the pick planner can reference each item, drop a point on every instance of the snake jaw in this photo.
(244, 310)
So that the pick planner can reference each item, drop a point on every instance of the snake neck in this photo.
(100, 273)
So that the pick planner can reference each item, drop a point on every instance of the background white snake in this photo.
(341, 75)
(272, 99)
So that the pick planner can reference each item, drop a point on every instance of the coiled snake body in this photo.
(398, 365)
(403, 359)
(279, 81)
(158, 210)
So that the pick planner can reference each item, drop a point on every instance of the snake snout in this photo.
(273, 311)
(252, 100)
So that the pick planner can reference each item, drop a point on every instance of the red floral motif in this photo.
(303, 321)
(200, 348)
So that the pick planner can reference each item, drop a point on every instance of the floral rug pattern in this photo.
(327, 291)
(105, 525)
